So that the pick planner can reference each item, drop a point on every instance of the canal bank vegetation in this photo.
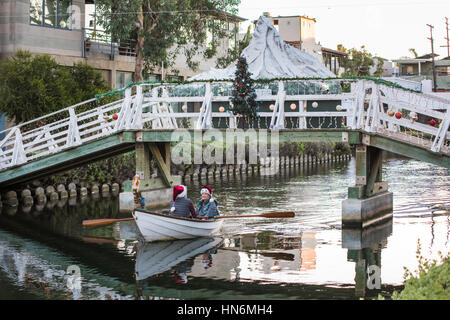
(431, 280)
(35, 85)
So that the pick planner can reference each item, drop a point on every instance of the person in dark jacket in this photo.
(207, 206)
(181, 206)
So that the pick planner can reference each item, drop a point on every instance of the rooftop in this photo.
(412, 60)
(233, 17)
(267, 15)
(428, 56)
(334, 51)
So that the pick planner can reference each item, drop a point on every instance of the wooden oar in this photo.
(273, 214)
(100, 222)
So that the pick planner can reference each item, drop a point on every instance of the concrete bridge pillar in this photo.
(369, 200)
(156, 181)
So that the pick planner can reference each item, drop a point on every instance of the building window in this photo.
(175, 78)
(409, 70)
(123, 79)
(232, 36)
(275, 25)
(443, 71)
(154, 77)
(51, 13)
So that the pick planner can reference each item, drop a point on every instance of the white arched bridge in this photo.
(367, 109)
(373, 115)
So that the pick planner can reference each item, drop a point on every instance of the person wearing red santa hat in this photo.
(207, 206)
(181, 206)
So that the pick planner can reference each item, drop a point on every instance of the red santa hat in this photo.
(179, 192)
(206, 189)
(181, 278)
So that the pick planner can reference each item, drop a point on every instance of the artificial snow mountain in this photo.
(269, 57)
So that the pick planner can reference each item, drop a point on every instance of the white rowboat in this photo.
(156, 226)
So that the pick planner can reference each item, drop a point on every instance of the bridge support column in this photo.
(368, 201)
(156, 182)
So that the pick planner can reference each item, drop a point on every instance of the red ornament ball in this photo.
(398, 115)
(115, 116)
(432, 122)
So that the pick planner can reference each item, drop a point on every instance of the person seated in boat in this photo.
(181, 206)
(207, 206)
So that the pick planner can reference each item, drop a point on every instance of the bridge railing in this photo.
(294, 104)
(283, 104)
(403, 115)
(57, 131)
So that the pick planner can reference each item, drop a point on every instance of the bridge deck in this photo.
(124, 141)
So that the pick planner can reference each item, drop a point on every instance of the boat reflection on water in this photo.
(154, 258)
(364, 248)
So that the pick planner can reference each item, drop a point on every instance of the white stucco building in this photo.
(298, 31)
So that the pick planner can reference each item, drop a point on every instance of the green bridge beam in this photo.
(69, 159)
(407, 150)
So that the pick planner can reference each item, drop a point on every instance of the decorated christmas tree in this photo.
(243, 94)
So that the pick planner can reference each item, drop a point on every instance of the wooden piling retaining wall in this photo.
(49, 195)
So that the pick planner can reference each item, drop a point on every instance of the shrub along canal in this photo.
(45, 253)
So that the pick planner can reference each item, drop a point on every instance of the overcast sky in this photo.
(388, 28)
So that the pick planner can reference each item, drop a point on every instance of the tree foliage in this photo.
(359, 62)
(163, 29)
(234, 52)
(87, 82)
(35, 85)
(413, 52)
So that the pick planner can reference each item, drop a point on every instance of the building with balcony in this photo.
(421, 68)
(65, 30)
(334, 60)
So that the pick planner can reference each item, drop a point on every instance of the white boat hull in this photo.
(157, 227)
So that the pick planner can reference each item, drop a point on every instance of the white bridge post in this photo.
(204, 118)
(277, 121)
(125, 112)
(442, 133)
(73, 134)
(18, 156)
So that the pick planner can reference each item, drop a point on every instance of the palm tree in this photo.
(414, 52)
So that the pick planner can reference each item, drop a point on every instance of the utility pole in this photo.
(432, 56)
(446, 38)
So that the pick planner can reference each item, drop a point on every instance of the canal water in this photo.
(46, 254)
